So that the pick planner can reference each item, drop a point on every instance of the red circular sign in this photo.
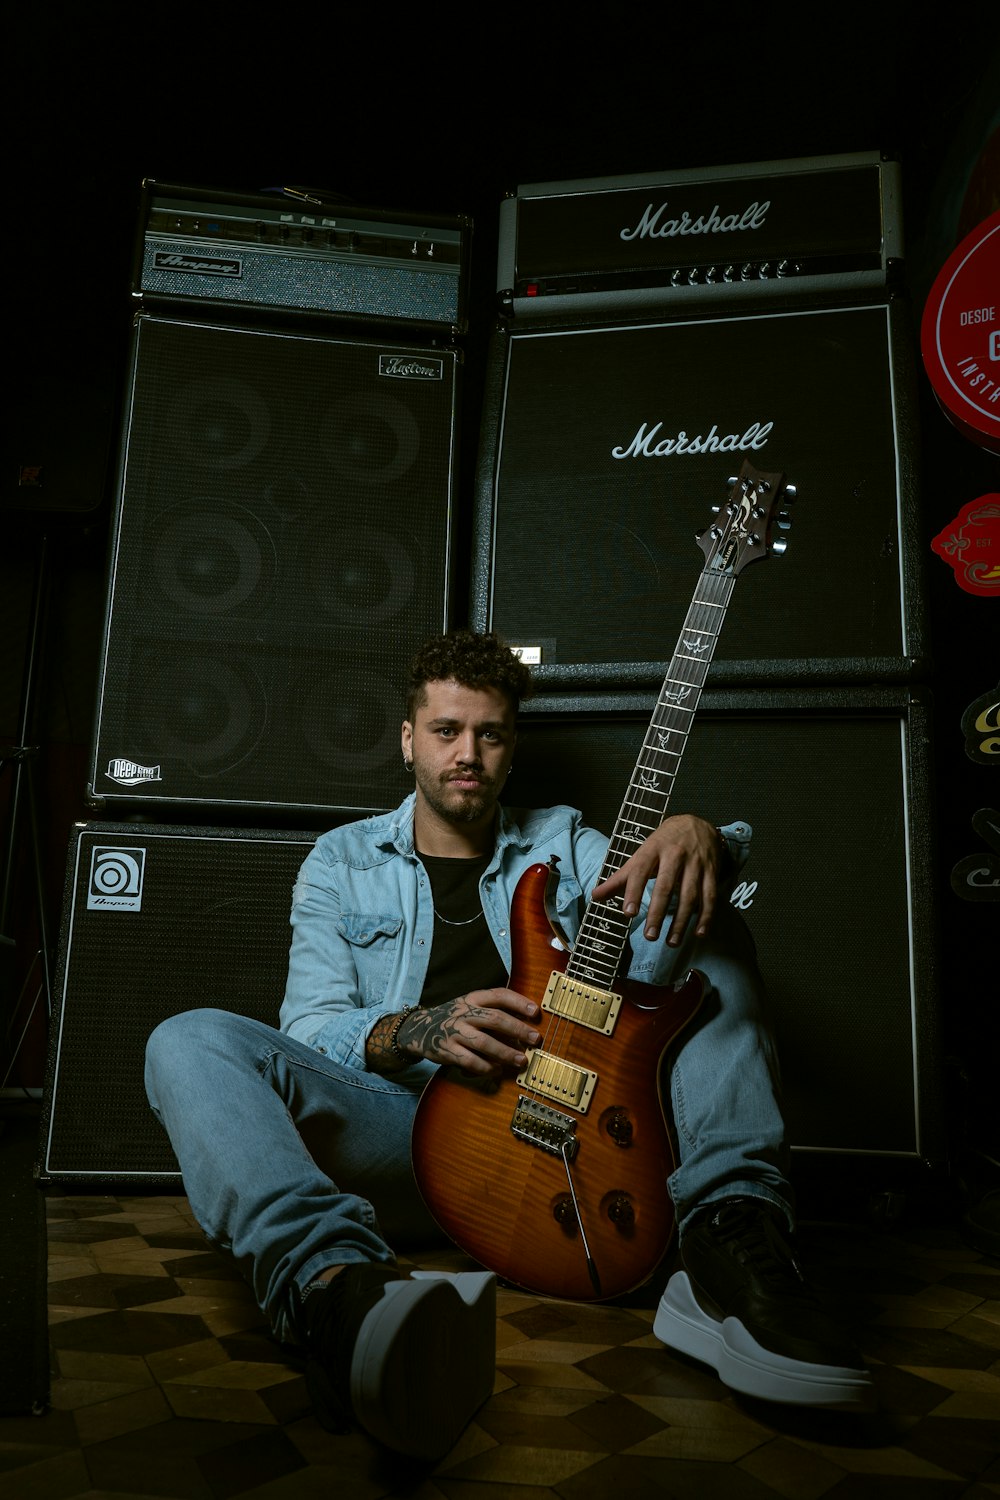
(960, 335)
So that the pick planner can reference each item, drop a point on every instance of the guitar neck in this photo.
(741, 535)
(604, 929)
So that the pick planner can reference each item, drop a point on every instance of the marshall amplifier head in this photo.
(301, 255)
(681, 239)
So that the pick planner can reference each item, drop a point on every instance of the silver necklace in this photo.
(449, 923)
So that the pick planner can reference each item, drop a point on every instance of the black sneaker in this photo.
(742, 1305)
(410, 1358)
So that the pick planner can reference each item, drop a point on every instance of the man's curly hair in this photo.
(476, 661)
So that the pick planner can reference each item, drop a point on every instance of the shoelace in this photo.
(756, 1239)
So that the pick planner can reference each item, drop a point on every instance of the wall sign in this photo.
(960, 335)
(970, 544)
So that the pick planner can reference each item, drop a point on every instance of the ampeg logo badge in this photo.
(227, 266)
(128, 773)
(410, 367)
(116, 875)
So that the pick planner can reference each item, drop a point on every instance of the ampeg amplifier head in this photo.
(301, 254)
(679, 239)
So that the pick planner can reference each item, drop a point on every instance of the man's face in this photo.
(461, 743)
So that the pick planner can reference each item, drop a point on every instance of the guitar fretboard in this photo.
(604, 930)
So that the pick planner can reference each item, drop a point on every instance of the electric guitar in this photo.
(555, 1177)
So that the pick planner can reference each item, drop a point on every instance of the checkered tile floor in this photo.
(166, 1383)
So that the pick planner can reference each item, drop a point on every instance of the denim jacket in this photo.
(363, 918)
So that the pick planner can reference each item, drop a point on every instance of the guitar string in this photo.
(702, 618)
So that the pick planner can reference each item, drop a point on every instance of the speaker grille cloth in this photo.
(212, 930)
(418, 293)
(594, 556)
(833, 929)
(283, 548)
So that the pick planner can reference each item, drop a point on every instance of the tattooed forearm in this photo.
(464, 1032)
(430, 1031)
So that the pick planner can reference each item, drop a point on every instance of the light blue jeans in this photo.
(293, 1163)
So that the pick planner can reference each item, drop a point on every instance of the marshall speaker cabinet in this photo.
(837, 890)
(156, 920)
(606, 449)
(281, 544)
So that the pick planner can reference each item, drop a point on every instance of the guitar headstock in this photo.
(744, 529)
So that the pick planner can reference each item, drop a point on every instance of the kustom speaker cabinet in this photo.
(281, 545)
(837, 889)
(605, 449)
(156, 920)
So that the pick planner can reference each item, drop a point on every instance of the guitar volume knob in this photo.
(620, 1127)
(620, 1211)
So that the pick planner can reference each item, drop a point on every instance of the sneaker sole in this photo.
(744, 1365)
(425, 1361)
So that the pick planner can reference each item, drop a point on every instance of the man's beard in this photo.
(457, 807)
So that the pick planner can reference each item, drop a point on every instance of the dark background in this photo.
(447, 112)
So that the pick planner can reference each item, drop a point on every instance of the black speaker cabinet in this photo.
(837, 890)
(282, 543)
(156, 919)
(605, 449)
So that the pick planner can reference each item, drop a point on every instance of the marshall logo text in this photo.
(648, 444)
(653, 226)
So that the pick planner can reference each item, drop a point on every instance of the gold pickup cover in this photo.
(550, 1076)
(584, 1003)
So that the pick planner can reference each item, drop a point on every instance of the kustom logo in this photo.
(410, 367)
(116, 875)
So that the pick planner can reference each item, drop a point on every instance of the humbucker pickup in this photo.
(562, 1081)
(584, 1003)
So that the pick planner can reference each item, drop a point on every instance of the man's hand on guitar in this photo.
(684, 855)
(480, 1032)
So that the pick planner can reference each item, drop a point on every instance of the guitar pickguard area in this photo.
(554, 1078)
(584, 1003)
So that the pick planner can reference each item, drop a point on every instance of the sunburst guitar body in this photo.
(555, 1178)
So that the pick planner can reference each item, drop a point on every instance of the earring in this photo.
(407, 764)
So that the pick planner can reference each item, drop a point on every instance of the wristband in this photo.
(392, 1040)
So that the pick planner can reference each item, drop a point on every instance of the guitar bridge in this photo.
(540, 1125)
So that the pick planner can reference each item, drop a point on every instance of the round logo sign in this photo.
(960, 335)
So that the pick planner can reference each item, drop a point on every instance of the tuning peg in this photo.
(790, 493)
(779, 546)
(783, 519)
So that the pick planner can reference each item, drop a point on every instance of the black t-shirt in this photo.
(464, 956)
